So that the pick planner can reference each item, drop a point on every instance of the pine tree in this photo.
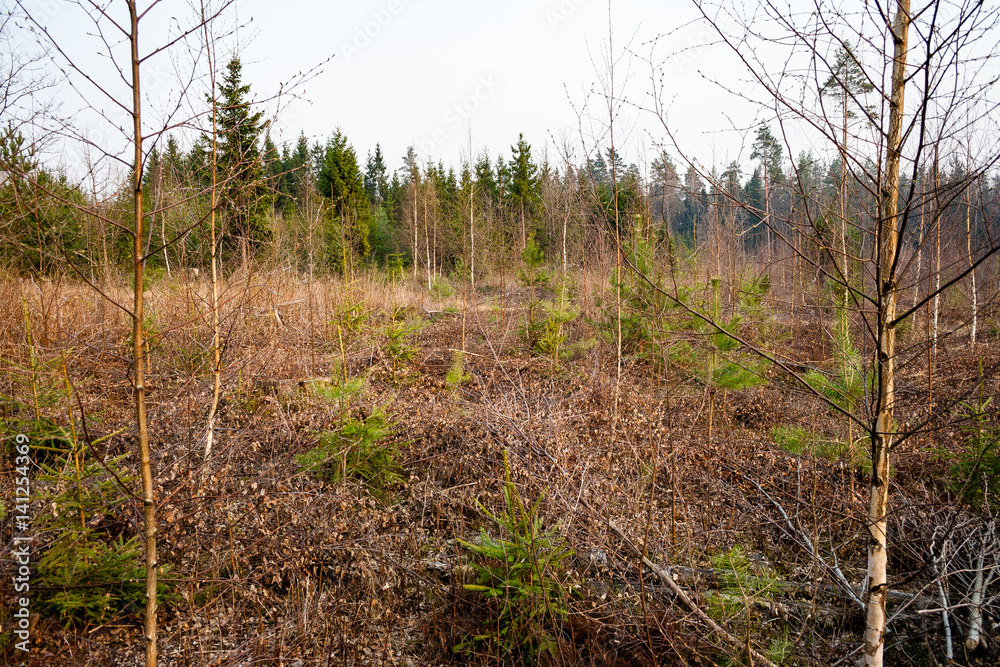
(847, 85)
(523, 183)
(768, 151)
(244, 198)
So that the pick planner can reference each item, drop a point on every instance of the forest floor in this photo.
(269, 562)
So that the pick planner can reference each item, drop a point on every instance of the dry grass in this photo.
(272, 566)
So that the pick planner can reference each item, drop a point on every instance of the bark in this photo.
(972, 274)
(216, 337)
(138, 342)
(941, 567)
(976, 610)
(938, 213)
(882, 429)
(427, 244)
(416, 228)
(472, 233)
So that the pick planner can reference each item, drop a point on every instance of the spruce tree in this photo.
(244, 198)
(523, 183)
(376, 180)
(341, 181)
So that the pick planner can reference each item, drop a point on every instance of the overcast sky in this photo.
(430, 73)
(423, 73)
(427, 73)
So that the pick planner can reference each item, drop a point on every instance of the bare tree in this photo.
(918, 86)
(114, 25)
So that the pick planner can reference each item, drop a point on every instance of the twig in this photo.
(686, 599)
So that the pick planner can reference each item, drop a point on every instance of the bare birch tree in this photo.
(918, 86)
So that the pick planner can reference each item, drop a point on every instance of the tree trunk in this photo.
(138, 350)
(216, 330)
(937, 221)
(472, 234)
(882, 429)
(972, 270)
(976, 610)
(416, 241)
(427, 244)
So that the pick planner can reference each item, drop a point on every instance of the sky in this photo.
(436, 75)
(443, 76)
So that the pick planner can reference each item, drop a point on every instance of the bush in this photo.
(802, 442)
(975, 469)
(441, 288)
(398, 345)
(88, 574)
(357, 449)
(456, 374)
(744, 588)
(518, 573)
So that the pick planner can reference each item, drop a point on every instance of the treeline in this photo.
(318, 208)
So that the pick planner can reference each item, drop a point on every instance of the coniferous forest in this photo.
(303, 402)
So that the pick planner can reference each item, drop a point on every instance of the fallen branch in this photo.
(758, 658)
(803, 538)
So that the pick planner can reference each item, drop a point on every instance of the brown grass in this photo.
(272, 566)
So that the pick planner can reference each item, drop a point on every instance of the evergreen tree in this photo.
(614, 164)
(244, 198)
(39, 222)
(341, 181)
(666, 192)
(376, 179)
(523, 183)
(197, 163)
(153, 171)
(847, 84)
(486, 181)
(597, 169)
(272, 167)
(173, 157)
(298, 169)
(695, 197)
(753, 195)
(768, 151)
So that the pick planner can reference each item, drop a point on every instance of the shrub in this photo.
(442, 288)
(456, 374)
(800, 441)
(744, 588)
(398, 346)
(519, 574)
(351, 317)
(89, 574)
(357, 449)
(975, 469)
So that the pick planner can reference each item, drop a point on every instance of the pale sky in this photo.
(423, 73)
(427, 73)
